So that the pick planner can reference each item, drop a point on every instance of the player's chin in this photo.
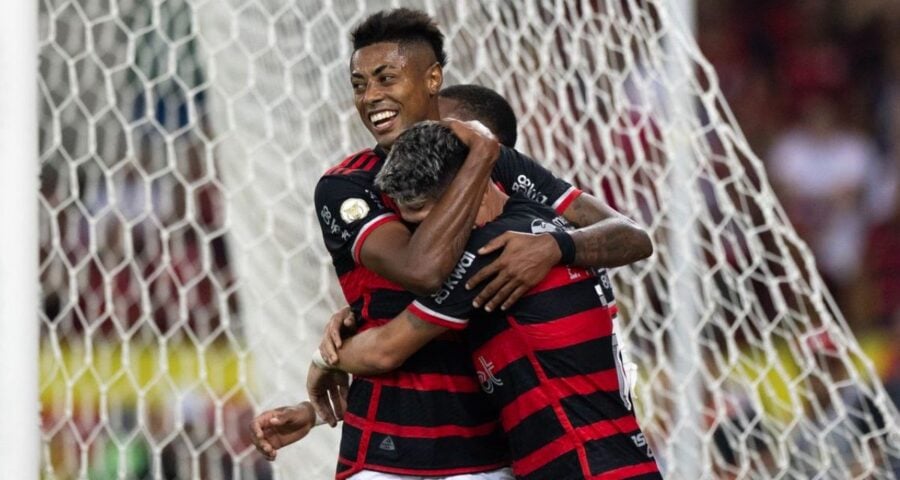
(386, 139)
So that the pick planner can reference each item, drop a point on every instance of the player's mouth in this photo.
(383, 121)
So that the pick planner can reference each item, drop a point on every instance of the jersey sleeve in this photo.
(451, 306)
(519, 174)
(348, 211)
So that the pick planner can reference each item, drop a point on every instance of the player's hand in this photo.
(525, 261)
(475, 136)
(281, 426)
(328, 393)
(341, 325)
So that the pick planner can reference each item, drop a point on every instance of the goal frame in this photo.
(19, 326)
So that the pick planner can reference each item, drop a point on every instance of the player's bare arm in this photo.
(372, 352)
(606, 239)
(384, 348)
(421, 261)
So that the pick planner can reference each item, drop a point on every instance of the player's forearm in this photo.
(383, 349)
(610, 243)
(607, 238)
(363, 354)
(438, 242)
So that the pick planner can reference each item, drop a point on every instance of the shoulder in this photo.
(356, 172)
(512, 158)
(362, 161)
(520, 215)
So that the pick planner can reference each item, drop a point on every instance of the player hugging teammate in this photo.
(513, 361)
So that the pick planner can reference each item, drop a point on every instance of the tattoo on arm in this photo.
(606, 238)
(577, 214)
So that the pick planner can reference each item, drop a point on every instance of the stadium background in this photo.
(769, 56)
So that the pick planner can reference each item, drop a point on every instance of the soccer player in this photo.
(549, 364)
(278, 427)
(428, 417)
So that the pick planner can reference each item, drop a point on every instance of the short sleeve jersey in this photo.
(550, 364)
(429, 417)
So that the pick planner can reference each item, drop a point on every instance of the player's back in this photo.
(552, 367)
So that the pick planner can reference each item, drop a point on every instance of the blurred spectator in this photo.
(820, 171)
(882, 270)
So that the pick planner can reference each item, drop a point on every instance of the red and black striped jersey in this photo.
(429, 417)
(550, 363)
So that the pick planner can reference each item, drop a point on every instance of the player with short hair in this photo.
(399, 423)
(474, 102)
(282, 426)
(549, 364)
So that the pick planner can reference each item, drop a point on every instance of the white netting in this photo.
(185, 282)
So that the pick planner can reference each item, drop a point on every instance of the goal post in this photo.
(185, 283)
(19, 445)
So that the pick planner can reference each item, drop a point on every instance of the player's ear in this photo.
(434, 78)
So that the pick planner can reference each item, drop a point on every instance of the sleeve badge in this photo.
(354, 209)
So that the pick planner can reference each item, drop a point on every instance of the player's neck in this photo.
(491, 206)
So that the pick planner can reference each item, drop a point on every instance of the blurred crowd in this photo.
(815, 86)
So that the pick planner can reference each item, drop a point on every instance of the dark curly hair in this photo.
(422, 162)
(401, 25)
(488, 107)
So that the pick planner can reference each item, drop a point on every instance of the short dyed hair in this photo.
(488, 107)
(423, 161)
(402, 25)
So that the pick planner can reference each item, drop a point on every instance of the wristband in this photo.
(566, 246)
(319, 361)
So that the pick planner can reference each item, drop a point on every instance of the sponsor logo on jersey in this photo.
(604, 288)
(455, 277)
(540, 226)
(354, 209)
(526, 187)
(331, 225)
(486, 376)
(562, 223)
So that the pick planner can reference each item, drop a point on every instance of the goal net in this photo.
(185, 283)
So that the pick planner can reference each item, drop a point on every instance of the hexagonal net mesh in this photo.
(185, 283)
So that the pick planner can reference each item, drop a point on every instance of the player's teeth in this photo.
(381, 116)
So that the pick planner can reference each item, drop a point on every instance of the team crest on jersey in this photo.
(353, 209)
(486, 376)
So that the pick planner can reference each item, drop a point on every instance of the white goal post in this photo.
(185, 283)
(20, 442)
